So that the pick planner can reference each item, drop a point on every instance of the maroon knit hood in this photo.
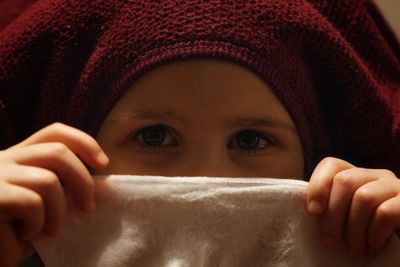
(334, 65)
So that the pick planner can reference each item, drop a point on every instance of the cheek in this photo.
(124, 163)
(293, 166)
(281, 165)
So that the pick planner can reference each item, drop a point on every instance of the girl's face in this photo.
(201, 118)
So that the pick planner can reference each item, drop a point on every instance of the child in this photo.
(233, 88)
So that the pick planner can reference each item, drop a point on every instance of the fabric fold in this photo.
(198, 221)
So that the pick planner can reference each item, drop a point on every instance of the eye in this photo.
(156, 136)
(250, 140)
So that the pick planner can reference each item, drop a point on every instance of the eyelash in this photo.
(167, 133)
(139, 136)
(261, 136)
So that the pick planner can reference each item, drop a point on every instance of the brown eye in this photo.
(249, 140)
(156, 136)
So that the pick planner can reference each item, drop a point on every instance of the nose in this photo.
(207, 163)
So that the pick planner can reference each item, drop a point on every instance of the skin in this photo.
(32, 200)
(202, 104)
(190, 118)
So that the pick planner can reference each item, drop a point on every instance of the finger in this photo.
(344, 184)
(10, 246)
(28, 249)
(79, 142)
(21, 205)
(48, 186)
(60, 160)
(365, 200)
(385, 221)
(319, 187)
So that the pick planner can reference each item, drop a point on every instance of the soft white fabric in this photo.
(182, 222)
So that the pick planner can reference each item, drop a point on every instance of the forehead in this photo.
(201, 88)
(204, 81)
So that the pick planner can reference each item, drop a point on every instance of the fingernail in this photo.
(314, 207)
(102, 158)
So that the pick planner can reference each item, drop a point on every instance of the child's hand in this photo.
(33, 177)
(361, 206)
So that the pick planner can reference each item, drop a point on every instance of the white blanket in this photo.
(182, 222)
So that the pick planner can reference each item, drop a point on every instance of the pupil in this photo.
(154, 136)
(248, 140)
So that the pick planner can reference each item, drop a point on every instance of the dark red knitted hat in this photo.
(334, 65)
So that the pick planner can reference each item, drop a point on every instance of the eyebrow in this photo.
(237, 122)
(261, 122)
(149, 115)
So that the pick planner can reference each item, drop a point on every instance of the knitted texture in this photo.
(334, 65)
